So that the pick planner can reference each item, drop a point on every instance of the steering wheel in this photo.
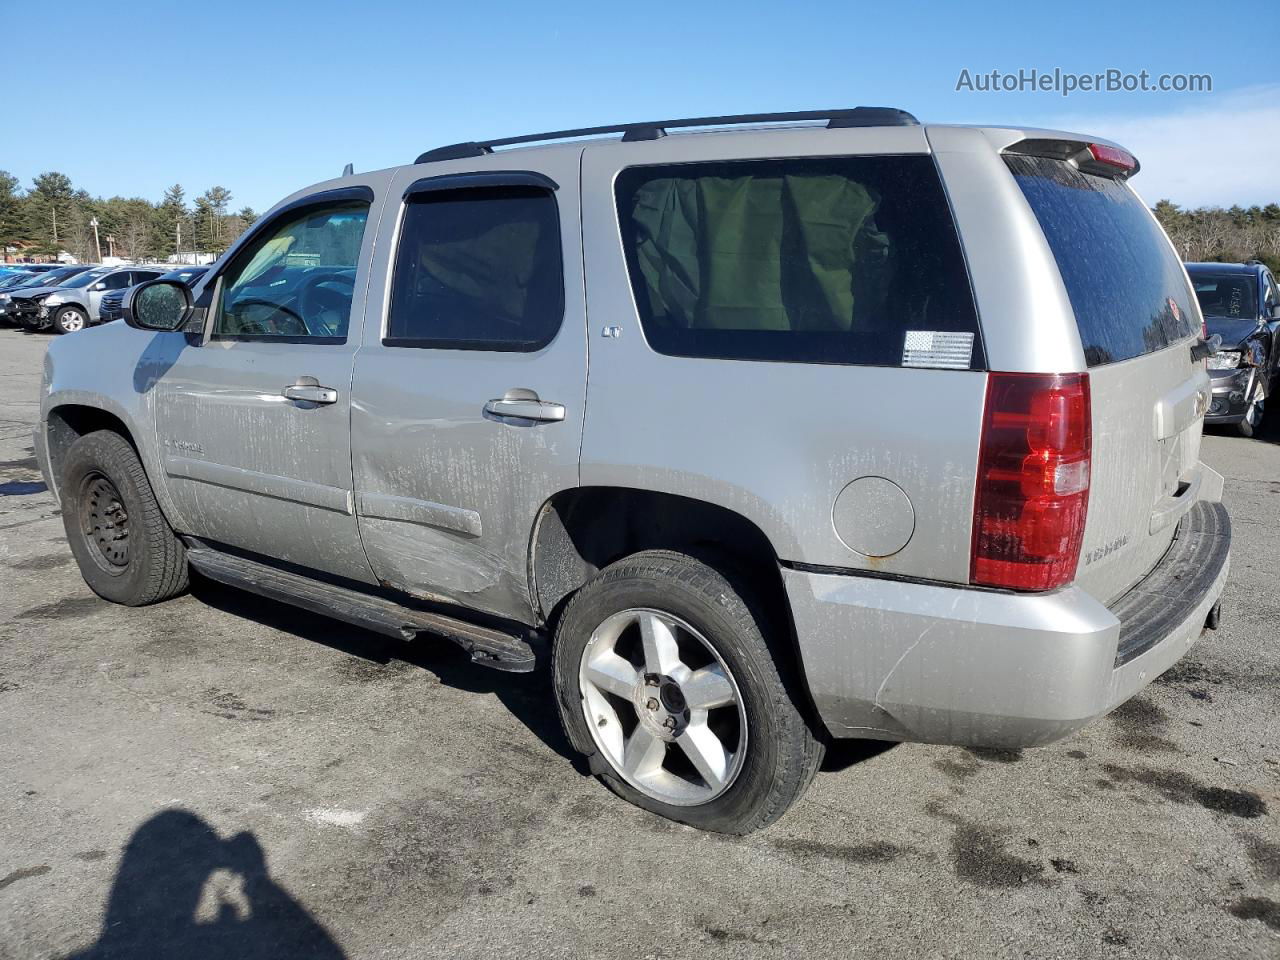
(316, 300)
(299, 325)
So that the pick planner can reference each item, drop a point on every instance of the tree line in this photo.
(1233, 235)
(52, 216)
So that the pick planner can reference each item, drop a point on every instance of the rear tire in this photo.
(125, 548)
(734, 766)
(70, 320)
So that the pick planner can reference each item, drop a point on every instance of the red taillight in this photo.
(1033, 480)
(1113, 157)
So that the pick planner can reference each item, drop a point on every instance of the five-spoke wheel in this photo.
(662, 706)
(670, 683)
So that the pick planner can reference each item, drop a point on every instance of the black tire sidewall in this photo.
(725, 621)
(107, 454)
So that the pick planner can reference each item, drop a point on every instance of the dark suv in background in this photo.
(1240, 303)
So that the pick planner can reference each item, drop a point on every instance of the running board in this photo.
(487, 646)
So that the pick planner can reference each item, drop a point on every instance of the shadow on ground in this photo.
(530, 697)
(183, 891)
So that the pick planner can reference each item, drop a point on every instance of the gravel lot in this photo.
(220, 776)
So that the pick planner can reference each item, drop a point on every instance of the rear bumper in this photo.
(899, 660)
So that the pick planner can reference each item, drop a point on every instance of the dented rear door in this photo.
(469, 389)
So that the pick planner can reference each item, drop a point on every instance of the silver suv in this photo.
(74, 305)
(766, 436)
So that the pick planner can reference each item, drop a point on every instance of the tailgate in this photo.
(1137, 318)
(1147, 417)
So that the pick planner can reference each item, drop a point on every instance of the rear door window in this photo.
(851, 260)
(1127, 287)
(478, 269)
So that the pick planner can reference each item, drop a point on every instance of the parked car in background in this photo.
(20, 284)
(74, 305)
(14, 278)
(1241, 304)
(110, 307)
(608, 399)
(9, 268)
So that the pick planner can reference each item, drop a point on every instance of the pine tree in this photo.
(165, 223)
(48, 212)
(11, 219)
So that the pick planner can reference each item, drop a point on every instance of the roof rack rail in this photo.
(656, 129)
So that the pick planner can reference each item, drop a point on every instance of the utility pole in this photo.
(97, 245)
(111, 245)
(177, 252)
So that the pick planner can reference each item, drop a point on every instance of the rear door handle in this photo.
(524, 404)
(308, 389)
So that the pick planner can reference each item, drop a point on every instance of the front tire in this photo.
(667, 683)
(126, 551)
(70, 320)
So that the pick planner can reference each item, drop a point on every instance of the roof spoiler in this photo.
(1103, 159)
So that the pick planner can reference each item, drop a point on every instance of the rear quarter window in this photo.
(848, 260)
(1127, 287)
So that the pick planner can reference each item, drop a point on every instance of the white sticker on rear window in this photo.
(935, 348)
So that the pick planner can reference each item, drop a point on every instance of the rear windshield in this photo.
(1127, 287)
(851, 260)
(1234, 296)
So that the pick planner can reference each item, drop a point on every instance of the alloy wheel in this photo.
(663, 707)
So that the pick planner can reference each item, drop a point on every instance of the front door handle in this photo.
(524, 404)
(308, 389)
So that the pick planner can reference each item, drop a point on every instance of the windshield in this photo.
(15, 279)
(58, 277)
(84, 279)
(1233, 296)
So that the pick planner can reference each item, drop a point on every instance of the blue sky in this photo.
(268, 96)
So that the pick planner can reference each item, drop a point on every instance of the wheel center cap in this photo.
(672, 698)
(661, 706)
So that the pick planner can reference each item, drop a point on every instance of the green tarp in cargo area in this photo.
(783, 252)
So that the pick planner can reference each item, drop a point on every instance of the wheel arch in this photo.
(69, 417)
(580, 531)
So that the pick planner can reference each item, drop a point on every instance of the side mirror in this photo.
(162, 305)
(1275, 312)
(1203, 349)
(99, 285)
